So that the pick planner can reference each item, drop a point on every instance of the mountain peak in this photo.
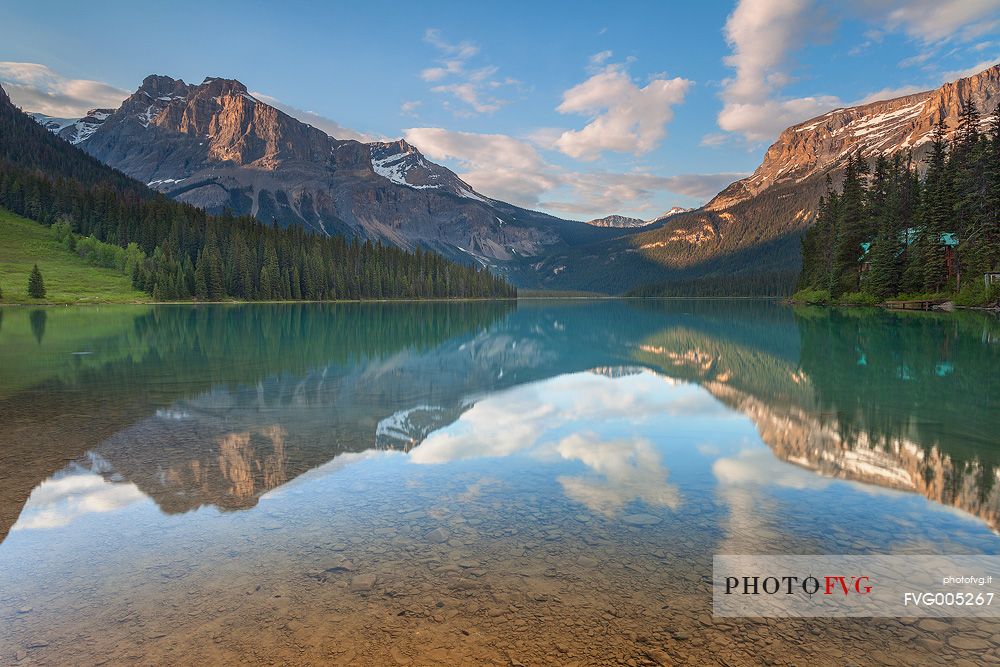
(822, 144)
(220, 86)
(617, 221)
(158, 85)
(672, 212)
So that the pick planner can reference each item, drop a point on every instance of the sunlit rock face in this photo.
(218, 147)
(753, 226)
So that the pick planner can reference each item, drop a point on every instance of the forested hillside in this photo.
(889, 232)
(176, 251)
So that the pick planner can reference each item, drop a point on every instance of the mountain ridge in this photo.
(216, 146)
(749, 233)
(626, 222)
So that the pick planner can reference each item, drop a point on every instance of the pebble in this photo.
(341, 566)
(968, 643)
(437, 536)
(362, 583)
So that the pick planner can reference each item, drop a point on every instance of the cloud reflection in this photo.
(517, 420)
(759, 467)
(59, 501)
(627, 470)
(533, 419)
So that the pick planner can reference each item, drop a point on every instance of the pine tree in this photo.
(937, 212)
(850, 228)
(991, 224)
(36, 285)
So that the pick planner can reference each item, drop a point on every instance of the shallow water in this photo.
(542, 483)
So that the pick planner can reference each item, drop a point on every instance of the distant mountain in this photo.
(746, 239)
(216, 146)
(617, 221)
(74, 130)
(672, 212)
(625, 222)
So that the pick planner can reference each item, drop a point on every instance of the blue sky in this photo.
(579, 109)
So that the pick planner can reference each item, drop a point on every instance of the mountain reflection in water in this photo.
(194, 406)
(477, 483)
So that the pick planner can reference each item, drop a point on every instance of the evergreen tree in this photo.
(36, 285)
(850, 229)
(936, 214)
(912, 224)
(179, 251)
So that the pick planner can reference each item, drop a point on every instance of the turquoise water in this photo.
(543, 482)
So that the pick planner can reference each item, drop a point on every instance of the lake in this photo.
(541, 482)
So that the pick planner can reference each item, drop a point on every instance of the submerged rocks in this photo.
(343, 565)
(437, 536)
(641, 519)
(362, 583)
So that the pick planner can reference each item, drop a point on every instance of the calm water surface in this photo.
(478, 483)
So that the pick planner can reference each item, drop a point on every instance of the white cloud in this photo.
(761, 34)
(462, 50)
(497, 165)
(702, 186)
(934, 20)
(470, 93)
(473, 87)
(764, 120)
(889, 93)
(331, 127)
(410, 107)
(599, 58)
(35, 87)
(611, 192)
(624, 117)
(513, 170)
(969, 71)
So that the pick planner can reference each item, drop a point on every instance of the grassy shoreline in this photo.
(986, 300)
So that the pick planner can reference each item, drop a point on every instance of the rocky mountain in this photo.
(749, 233)
(625, 222)
(619, 221)
(74, 130)
(216, 146)
(820, 144)
(676, 210)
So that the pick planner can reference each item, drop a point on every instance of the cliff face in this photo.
(821, 144)
(217, 147)
(752, 227)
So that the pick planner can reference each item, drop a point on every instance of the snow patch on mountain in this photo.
(396, 165)
(74, 130)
